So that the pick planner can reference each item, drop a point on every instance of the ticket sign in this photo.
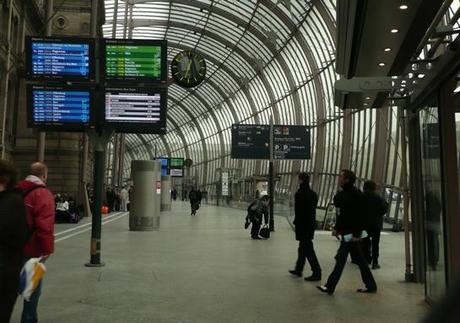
(250, 141)
(291, 142)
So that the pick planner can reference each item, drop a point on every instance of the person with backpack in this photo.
(40, 210)
(256, 210)
(195, 200)
(13, 237)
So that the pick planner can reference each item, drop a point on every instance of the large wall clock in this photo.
(188, 68)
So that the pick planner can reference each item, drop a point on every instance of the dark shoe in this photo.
(367, 291)
(324, 289)
(375, 266)
(295, 273)
(313, 278)
(256, 238)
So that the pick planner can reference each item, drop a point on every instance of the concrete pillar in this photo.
(146, 198)
(165, 193)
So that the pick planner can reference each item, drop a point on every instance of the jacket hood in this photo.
(30, 181)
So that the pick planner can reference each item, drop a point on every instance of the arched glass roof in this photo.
(264, 57)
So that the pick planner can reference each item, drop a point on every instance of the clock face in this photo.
(188, 68)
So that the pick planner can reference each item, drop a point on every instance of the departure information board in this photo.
(62, 108)
(253, 142)
(250, 141)
(136, 109)
(135, 60)
(176, 167)
(66, 58)
(291, 142)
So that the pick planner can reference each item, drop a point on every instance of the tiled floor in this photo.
(206, 269)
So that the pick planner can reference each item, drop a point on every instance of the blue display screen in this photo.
(61, 106)
(164, 166)
(60, 59)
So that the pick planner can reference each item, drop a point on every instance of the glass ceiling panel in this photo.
(240, 38)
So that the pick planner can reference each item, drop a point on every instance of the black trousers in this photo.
(340, 261)
(255, 228)
(371, 247)
(9, 282)
(306, 251)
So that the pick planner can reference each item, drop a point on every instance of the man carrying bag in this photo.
(256, 210)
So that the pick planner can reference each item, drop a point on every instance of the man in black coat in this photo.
(13, 237)
(306, 201)
(374, 208)
(349, 226)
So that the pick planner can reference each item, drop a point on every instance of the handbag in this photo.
(265, 232)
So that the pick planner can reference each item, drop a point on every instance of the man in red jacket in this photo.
(40, 208)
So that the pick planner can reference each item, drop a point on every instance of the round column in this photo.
(146, 196)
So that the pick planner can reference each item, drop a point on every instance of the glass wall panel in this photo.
(433, 209)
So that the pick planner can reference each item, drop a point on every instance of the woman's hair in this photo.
(8, 174)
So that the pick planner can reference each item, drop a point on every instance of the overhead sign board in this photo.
(59, 108)
(172, 166)
(291, 142)
(176, 167)
(136, 110)
(134, 60)
(66, 58)
(250, 141)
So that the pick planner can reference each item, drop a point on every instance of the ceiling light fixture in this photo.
(368, 97)
(403, 7)
(388, 49)
(381, 64)
(394, 31)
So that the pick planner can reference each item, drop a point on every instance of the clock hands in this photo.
(188, 68)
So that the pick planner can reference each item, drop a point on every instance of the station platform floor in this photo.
(207, 269)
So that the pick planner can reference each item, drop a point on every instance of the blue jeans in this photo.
(29, 312)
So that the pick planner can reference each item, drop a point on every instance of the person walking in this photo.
(110, 195)
(374, 208)
(13, 237)
(195, 199)
(40, 209)
(306, 201)
(256, 210)
(349, 227)
(124, 194)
